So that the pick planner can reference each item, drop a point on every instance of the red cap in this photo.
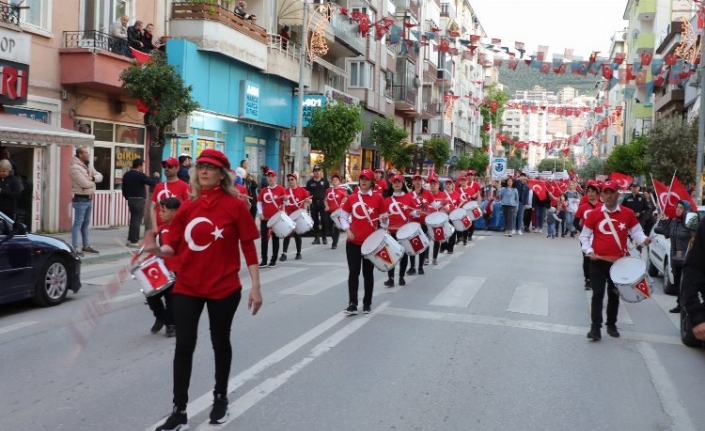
(610, 185)
(471, 172)
(379, 170)
(594, 184)
(463, 178)
(417, 176)
(294, 175)
(214, 157)
(432, 179)
(335, 176)
(170, 161)
(397, 178)
(367, 174)
(271, 173)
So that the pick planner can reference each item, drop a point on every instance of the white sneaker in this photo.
(520, 232)
(515, 232)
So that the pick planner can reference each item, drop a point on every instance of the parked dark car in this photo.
(35, 266)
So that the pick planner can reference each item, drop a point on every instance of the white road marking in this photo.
(523, 324)
(671, 403)
(623, 316)
(261, 391)
(270, 275)
(530, 298)
(340, 264)
(205, 401)
(318, 284)
(459, 292)
(16, 326)
(666, 302)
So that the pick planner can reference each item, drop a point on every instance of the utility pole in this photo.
(701, 125)
(297, 143)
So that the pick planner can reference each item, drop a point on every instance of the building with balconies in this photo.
(669, 96)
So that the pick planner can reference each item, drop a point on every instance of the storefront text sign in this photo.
(249, 99)
(15, 46)
(14, 82)
(309, 102)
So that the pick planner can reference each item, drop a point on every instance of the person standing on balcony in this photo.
(148, 42)
(134, 36)
(285, 36)
(241, 11)
(118, 30)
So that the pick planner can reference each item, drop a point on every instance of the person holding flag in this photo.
(604, 241)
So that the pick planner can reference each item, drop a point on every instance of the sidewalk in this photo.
(110, 242)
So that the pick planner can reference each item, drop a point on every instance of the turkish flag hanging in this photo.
(678, 188)
(643, 287)
(154, 274)
(438, 233)
(667, 200)
(140, 57)
(539, 188)
(383, 254)
(623, 181)
(416, 244)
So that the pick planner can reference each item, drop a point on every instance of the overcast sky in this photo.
(584, 25)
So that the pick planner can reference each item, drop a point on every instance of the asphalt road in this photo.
(492, 338)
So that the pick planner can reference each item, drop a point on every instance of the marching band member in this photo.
(473, 191)
(604, 241)
(440, 202)
(591, 203)
(454, 199)
(269, 202)
(399, 215)
(419, 202)
(296, 198)
(335, 198)
(367, 212)
(172, 187)
(380, 184)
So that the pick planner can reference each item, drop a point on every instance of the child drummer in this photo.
(162, 309)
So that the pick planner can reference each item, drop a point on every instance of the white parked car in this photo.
(660, 257)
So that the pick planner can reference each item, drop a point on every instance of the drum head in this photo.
(458, 214)
(373, 241)
(274, 219)
(296, 214)
(436, 219)
(408, 229)
(470, 205)
(627, 270)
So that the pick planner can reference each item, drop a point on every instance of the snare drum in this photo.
(335, 216)
(303, 221)
(629, 277)
(473, 209)
(281, 224)
(153, 276)
(440, 225)
(412, 238)
(382, 250)
(460, 219)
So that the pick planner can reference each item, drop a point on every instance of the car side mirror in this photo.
(692, 219)
(19, 229)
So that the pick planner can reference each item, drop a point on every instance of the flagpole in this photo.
(657, 198)
(670, 186)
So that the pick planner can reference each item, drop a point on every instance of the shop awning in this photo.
(23, 131)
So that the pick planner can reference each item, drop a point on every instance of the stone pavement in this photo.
(110, 242)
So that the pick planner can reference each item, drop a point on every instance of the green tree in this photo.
(438, 151)
(332, 128)
(672, 145)
(402, 157)
(595, 166)
(479, 161)
(390, 140)
(628, 158)
(555, 164)
(158, 85)
(463, 163)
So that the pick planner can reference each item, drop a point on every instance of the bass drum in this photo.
(629, 277)
(382, 250)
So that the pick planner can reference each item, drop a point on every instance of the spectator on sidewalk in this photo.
(133, 189)
(10, 189)
(83, 180)
(184, 165)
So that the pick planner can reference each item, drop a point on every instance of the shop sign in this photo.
(123, 160)
(309, 102)
(249, 99)
(31, 114)
(15, 46)
(14, 83)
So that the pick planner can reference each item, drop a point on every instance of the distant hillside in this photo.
(525, 78)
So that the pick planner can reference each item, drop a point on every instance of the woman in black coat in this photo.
(10, 189)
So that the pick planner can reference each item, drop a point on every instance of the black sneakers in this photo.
(676, 309)
(411, 271)
(283, 257)
(263, 264)
(351, 310)
(421, 270)
(612, 331)
(402, 282)
(272, 263)
(588, 284)
(170, 331)
(158, 325)
(298, 256)
(219, 412)
(316, 241)
(366, 309)
(177, 421)
(595, 334)
(325, 241)
(389, 282)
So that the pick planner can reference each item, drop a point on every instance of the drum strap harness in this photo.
(401, 213)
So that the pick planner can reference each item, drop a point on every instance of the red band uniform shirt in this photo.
(294, 199)
(272, 200)
(419, 204)
(473, 189)
(380, 186)
(597, 236)
(364, 210)
(204, 233)
(335, 197)
(585, 209)
(176, 189)
(398, 209)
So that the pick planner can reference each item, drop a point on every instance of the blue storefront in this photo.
(244, 113)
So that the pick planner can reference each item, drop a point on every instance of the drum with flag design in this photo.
(335, 216)
(460, 219)
(412, 238)
(153, 276)
(629, 277)
(439, 225)
(281, 224)
(303, 221)
(473, 210)
(382, 250)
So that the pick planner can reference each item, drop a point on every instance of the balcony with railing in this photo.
(408, 53)
(215, 28)
(430, 109)
(430, 72)
(284, 59)
(10, 13)
(347, 32)
(445, 10)
(93, 59)
(405, 98)
(411, 6)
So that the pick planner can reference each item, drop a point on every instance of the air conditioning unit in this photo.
(179, 127)
(82, 126)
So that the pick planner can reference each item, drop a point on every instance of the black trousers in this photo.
(335, 234)
(586, 267)
(136, 207)
(264, 242)
(600, 278)
(320, 219)
(445, 246)
(403, 262)
(297, 241)
(162, 309)
(355, 263)
(187, 313)
(677, 272)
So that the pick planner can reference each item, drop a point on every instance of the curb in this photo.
(106, 257)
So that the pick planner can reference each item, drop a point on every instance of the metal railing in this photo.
(286, 47)
(96, 41)
(10, 13)
(406, 94)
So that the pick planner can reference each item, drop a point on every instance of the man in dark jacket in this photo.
(523, 189)
(636, 202)
(133, 189)
(134, 36)
(185, 164)
(693, 286)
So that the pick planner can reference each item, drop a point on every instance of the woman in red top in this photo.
(442, 202)
(297, 198)
(335, 198)
(207, 234)
(367, 213)
(419, 202)
(269, 202)
(399, 215)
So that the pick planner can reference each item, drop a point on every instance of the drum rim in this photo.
(434, 215)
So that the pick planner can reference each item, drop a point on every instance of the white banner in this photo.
(499, 167)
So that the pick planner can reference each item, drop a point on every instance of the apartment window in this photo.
(99, 14)
(37, 15)
(360, 74)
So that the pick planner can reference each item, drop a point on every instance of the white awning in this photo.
(23, 131)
